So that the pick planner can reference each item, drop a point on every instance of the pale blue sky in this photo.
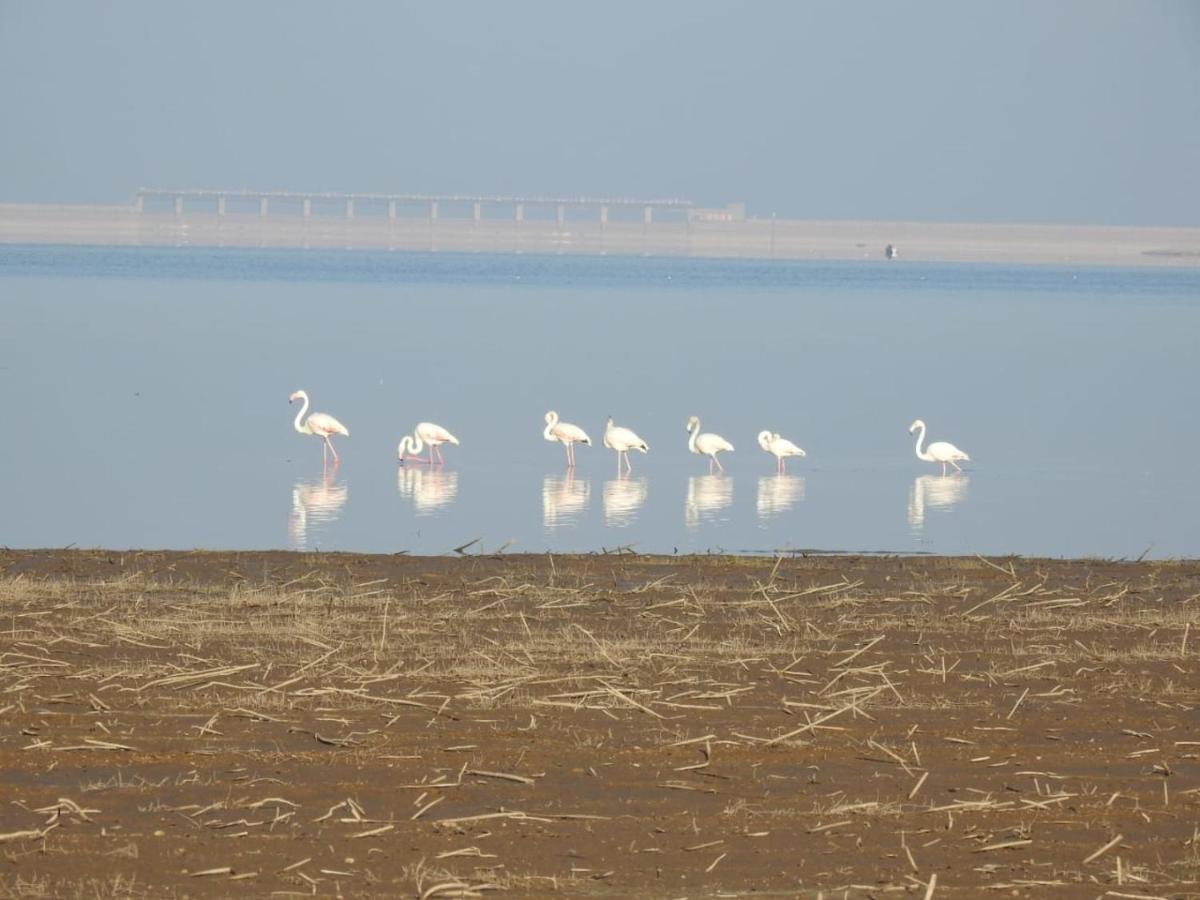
(1074, 111)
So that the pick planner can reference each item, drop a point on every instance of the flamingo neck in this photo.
(694, 432)
(299, 424)
(412, 444)
(921, 454)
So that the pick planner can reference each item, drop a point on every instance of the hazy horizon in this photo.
(1074, 113)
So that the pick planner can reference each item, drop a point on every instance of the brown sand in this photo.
(274, 724)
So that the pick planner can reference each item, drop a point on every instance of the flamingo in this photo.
(622, 440)
(567, 434)
(319, 424)
(425, 433)
(706, 444)
(780, 446)
(939, 451)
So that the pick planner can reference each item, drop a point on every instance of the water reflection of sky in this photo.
(152, 387)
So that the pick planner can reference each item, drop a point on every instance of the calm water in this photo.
(145, 398)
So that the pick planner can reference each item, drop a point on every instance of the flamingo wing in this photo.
(434, 434)
(784, 447)
(624, 439)
(709, 444)
(324, 425)
(943, 451)
(571, 434)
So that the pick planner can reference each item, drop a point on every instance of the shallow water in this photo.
(145, 393)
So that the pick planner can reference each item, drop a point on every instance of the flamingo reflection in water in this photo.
(707, 495)
(623, 496)
(316, 503)
(429, 489)
(564, 498)
(936, 492)
(778, 493)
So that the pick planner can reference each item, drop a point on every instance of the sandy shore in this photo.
(275, 724)
(751, 239)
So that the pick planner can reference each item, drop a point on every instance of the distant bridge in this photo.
(211, 199)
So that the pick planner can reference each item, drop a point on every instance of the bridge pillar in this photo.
(391, 209)
(349, 207)
(262, 206)
(307, 207)
(519, 212)
(478, 212)
(603, 215)
(179, 206)
(221, 205)
(648, 214)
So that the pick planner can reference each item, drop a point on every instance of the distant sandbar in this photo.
(1076, 245)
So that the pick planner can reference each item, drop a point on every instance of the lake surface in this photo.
(145, 397)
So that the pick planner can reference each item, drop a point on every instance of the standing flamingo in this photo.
(781, 447)
(425, 433)
(566, 433)
(319, 424)
(939, 451)
(622, 440)
(706, 444)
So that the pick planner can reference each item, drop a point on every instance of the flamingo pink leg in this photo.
(329, 444)
(439, 453)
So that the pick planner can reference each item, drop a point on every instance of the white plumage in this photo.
(779, 446)
(425, 433)
(706, 444)
(939, 451)
(321, 425)
(565, 433)
(623, 440)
